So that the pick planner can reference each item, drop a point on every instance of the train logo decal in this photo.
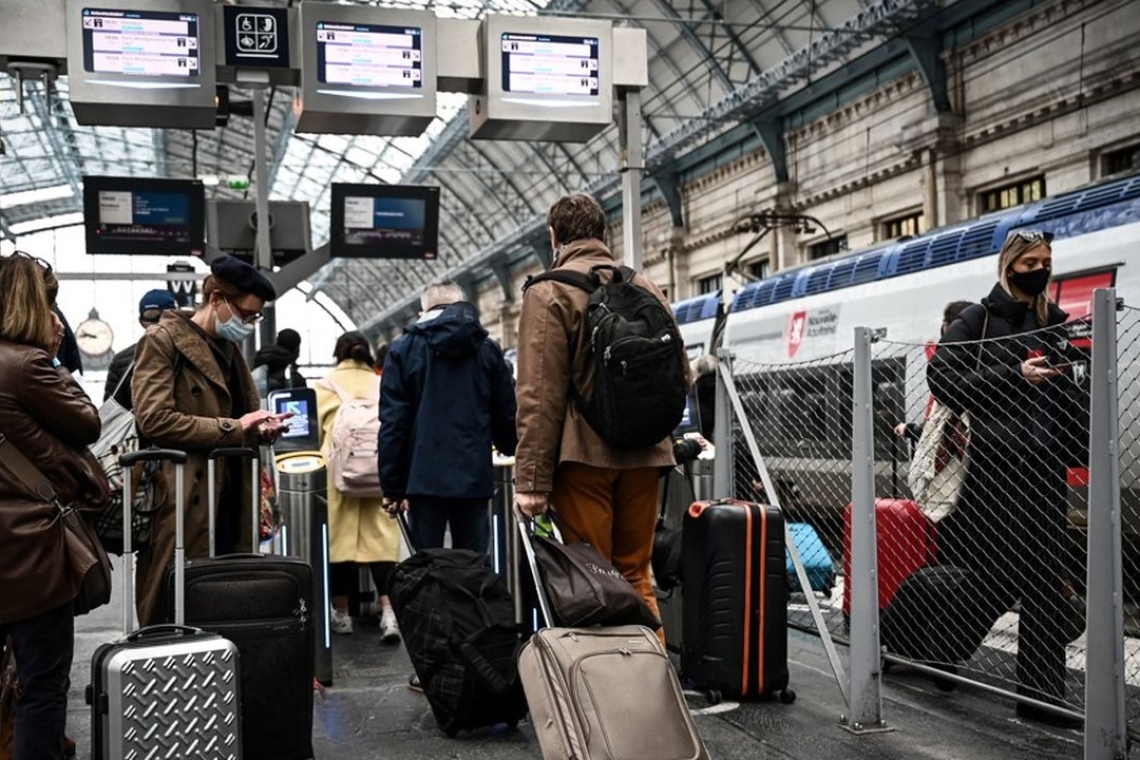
(796, 327)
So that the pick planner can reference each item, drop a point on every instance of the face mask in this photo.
(1030, 283)
(233, 329)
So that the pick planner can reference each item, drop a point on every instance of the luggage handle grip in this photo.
(486, 672)
(152, 455)
(526, 527)
(161, 629)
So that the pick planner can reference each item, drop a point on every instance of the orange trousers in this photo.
(615, 511)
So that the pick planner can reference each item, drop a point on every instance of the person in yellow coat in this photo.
(360, 532)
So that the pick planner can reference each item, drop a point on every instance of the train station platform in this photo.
(370, 714)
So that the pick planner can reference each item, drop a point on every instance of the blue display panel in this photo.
(543, 64)
(385, 221)
(369, 55)
(143, 216)
(141, 43)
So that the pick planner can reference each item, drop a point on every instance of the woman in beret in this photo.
(192, 391)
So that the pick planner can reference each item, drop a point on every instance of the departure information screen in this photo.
(545, 64)
(144, 216)
(141, 43)
(367, 55)
(371, 220)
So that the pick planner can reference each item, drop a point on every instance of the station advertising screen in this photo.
(385, 221)
(544, 64)
(141, 43)
(161, 217)
(369, 55)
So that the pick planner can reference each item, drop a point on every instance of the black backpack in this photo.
(458, 623)
(639, 359)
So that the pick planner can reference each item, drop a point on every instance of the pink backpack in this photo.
(353, 447)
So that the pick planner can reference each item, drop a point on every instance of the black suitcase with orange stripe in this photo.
(735, 631)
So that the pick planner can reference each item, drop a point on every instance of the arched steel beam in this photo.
(730, 31)
(504, 175)
(927, 53)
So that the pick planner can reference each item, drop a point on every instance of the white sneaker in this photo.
(389, 628)
(341, 622)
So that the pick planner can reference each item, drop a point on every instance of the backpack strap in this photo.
(566, 277)
(330, 385)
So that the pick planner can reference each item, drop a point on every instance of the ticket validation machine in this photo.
(302, 488)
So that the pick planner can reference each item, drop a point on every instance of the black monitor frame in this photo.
(192, 188)
(429, 194)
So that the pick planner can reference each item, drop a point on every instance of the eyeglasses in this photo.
(1033, 236)
(248, 317)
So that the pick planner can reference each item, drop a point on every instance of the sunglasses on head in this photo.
(1033, 236)
(43, 264)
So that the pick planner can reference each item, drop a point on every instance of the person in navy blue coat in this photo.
(446, 396)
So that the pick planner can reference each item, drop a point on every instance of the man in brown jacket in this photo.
(603, 495)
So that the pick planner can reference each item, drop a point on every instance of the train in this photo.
(792, 334)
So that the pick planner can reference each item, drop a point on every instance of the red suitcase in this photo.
(906, 543)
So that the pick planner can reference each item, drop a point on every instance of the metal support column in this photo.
(263, 254)
(722, 431)
(1106, 724)
(864, 686)
(631, 167)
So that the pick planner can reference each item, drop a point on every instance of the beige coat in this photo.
(359, 529)
(181, 401)
(550, 428)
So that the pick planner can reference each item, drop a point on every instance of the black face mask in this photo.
(1030, 283)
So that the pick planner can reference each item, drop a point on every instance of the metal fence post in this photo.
(1105, 721)
(722, 432)
(864, 668)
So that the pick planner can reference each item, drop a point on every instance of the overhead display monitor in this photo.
(141, 43)
(547, 79)
(366, 70)
(131, 215)
(370, 55)
(146, 64)
(257, 37)
(231, 226)
(385, 221)
(548, 64)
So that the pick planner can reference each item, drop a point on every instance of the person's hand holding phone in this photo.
(271, 427)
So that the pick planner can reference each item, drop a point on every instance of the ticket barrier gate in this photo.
(304, 533)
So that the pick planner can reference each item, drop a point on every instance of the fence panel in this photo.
(1128, 367)
(800, 415)
(982, 453)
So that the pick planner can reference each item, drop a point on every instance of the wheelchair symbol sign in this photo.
(256, 33)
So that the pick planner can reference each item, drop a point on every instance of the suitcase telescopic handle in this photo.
(162, 630)
(526, 530)
(235, 452)
(152, 455)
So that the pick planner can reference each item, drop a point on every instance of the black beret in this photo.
(243, 277)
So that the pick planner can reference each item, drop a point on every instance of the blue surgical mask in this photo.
(233, 329)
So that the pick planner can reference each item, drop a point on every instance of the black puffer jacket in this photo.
(1009, 414)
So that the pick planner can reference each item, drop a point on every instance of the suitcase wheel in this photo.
(714, 696)
(787, 696)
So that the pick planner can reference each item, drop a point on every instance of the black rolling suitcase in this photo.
(735, 629)
(458, 622)
(264, 604)
(168, 691)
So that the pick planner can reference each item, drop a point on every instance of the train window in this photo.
(829, 247)
(904, 226)
(710, 284)
(1014, 194)
(1121, 160)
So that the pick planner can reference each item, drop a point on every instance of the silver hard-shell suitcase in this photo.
(165, 690)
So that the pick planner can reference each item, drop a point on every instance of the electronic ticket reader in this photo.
(302, 494)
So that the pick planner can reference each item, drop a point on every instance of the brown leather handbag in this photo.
(86, 556)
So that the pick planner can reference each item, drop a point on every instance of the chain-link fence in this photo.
(981, 552)
(1128, 370)
(800, 416)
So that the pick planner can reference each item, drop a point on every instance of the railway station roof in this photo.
(718, 71)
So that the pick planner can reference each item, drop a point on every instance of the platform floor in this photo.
(370, 713)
